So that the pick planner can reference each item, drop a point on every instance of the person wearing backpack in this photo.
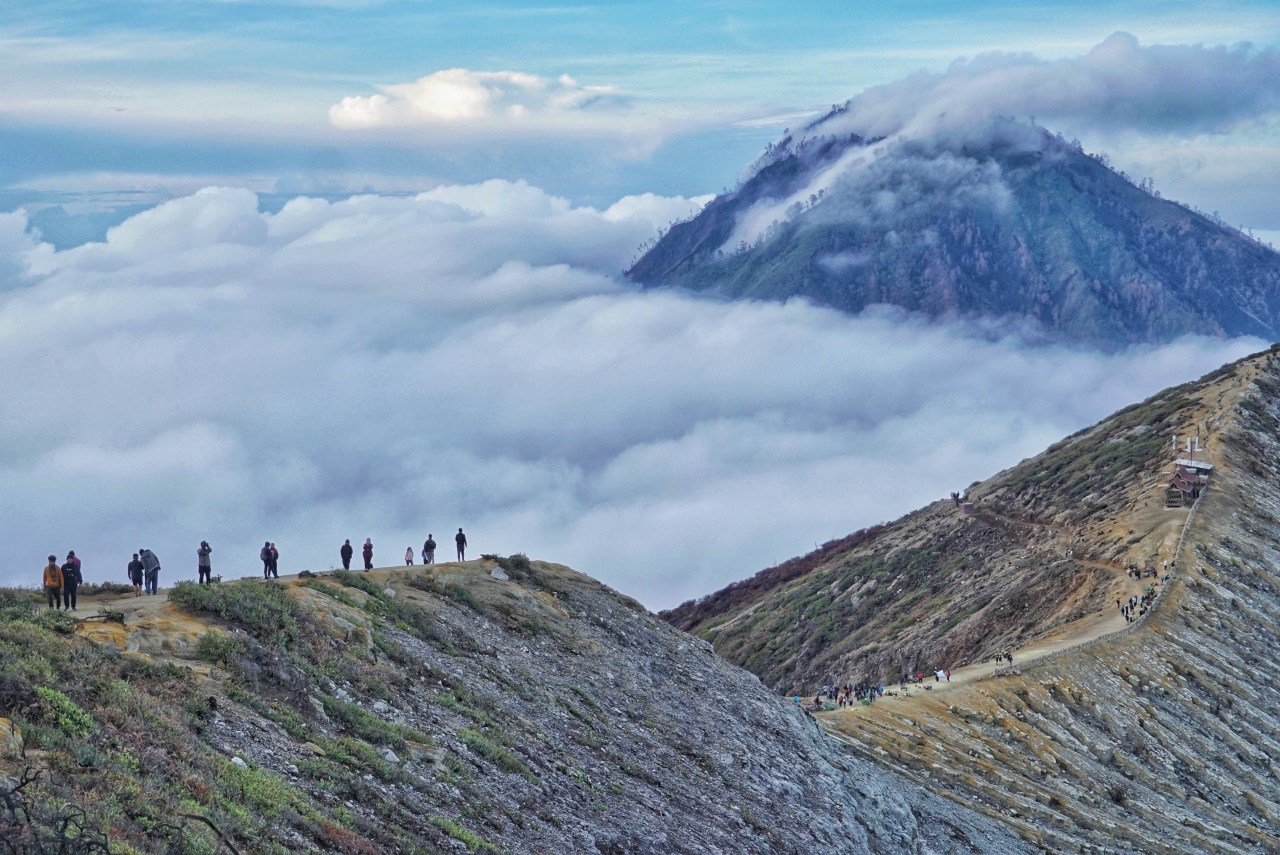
(150, 570)
(71, 579)
(204, 566)
(264, 555)
(53, 583)
(429, 551)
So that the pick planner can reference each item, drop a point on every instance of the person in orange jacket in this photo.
(53, 582)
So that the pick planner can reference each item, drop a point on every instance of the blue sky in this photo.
(308, 271)
(112, 105)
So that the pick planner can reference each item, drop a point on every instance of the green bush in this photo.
(64, 712)
(494, 753)
(218, 647)
(261, 608)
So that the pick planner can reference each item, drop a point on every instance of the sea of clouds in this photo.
(387, 367)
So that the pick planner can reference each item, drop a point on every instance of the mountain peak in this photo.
(994, 219)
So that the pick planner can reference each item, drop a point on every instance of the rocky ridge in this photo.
(1044, 546)
(1159, 739)
(499, 705)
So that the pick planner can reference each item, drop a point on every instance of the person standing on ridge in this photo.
(203, 565)
(135, 575)
(408, 557)
(368, 553)
(429, 550)
(71, 579)
(264, 555)
(461, 540)
(150, 570)
(53, 583)
(346, 552)
(275, 562)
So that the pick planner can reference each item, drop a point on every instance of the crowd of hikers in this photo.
(61, 582)
(1138, 605)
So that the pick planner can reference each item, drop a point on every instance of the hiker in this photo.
(264, 555)
(53, 583)
(461, 540)
(71, 579)
(368, 553)
(150, 570)
(408, 557)
(429, 550)
(275, 562)
(346, 552)
(203, 565)
(135, 575)
(947, 671)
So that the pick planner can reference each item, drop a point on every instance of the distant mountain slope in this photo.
(1160, 740)
(938, 587)
(1004, 220)
(421, 710)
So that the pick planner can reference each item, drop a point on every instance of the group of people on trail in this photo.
(62, 582)
(347, 551)
(863, 693)
(144, 572)
(428, 551)
(270, 558)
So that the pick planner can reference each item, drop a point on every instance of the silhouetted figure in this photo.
(135, 575)
(204, 566)
(275, 562)
(71, 579)
(346, 552)
(461, 540)
(264, 555)
(150, 570)
(429, 550)
(368, 553)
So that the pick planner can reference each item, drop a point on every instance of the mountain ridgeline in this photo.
(496, 706)
(1004, 221)
(1157, 736)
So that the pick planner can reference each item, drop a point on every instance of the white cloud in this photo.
(1179, 90)
(490, 99)
(387, 367)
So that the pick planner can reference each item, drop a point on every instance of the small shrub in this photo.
(218, 647)
(64, 712)
(450, 590)
(96, 588)
(494, 753)
(473, 841)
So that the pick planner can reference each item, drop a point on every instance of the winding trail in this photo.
(1075, 634)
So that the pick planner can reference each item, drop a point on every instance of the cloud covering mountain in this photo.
(390, 366)
(1118, 85)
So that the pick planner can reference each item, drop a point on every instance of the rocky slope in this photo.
(1046, 544)
(1162, 738)
(422, 710)
(998, 220)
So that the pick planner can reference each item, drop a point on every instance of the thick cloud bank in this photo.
(388, 367)
(489, 99)
(1180, 90)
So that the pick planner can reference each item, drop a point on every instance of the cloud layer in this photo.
(1119, 85)
(387, 367)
